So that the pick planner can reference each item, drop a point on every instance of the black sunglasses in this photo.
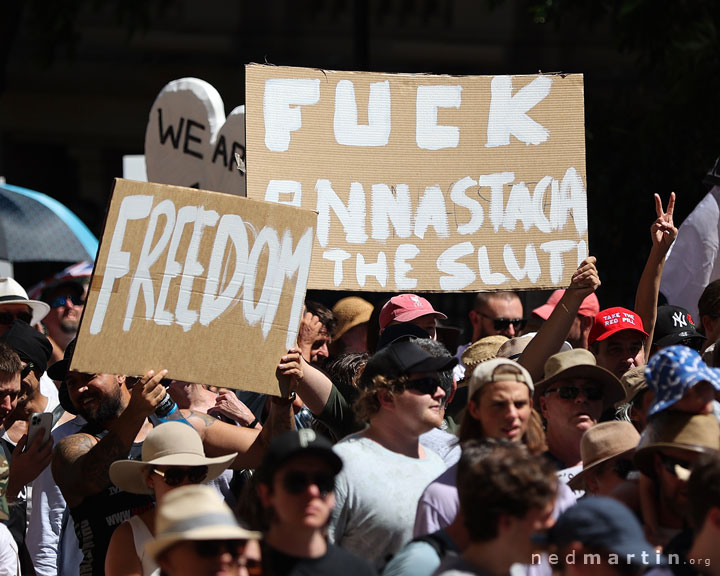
(26, 371)
(7, 318)
(298, 482)
(623, 468)
(670, 463)
(63, 300)
(504, 323)
(176, 476)
(571, 392)
(427, 385)
(209, 548)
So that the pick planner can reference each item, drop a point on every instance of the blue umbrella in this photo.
(37, 228)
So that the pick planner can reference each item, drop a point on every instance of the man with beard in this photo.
(118, 419)
(66, 299)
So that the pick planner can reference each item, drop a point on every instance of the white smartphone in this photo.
(40, 423)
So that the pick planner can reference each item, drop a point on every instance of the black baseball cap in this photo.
(30, 345)
(400, 331)
(403, 358)
(604, 523)
(304, 442)
(674, 325)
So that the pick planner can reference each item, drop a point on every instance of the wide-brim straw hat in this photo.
(604, 442)
(169, 444)
(480, 351)
(579, 363)
(191, 513)
(350, 312)
(697, 433)
(12, 293)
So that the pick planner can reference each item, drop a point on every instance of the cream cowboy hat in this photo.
(191, 513)
(12, 293)
(169, 444)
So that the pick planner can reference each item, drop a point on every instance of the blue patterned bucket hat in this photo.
(673, 371)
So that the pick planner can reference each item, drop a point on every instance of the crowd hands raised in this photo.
(589, 446)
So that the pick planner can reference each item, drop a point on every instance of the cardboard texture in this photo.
(425, 183)
(189, 142)
(207, 285)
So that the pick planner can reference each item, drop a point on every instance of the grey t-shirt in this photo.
(377, 494)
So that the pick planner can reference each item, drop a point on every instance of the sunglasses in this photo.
(504, 323)
(670, 463)
(176, 476)
(298, 482)
(572, 392)
(208, 548)
(63, 300)
(426, 385)
(25, 372)
(7, 318)
(623, 468)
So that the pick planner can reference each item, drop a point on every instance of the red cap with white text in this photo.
(613, 320)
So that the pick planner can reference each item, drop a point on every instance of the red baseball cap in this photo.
(614, 320)
(406, 308)
(589, 307)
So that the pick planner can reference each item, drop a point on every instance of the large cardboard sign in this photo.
(425, 182)
(207, 285)
(189, 142)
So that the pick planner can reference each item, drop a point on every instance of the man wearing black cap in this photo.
(385, 467)
(296, 482)
(674, 325)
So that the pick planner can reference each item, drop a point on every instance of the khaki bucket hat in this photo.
(670, 429)
(191, 513)
(603, 442)
(350, 312)
(169, 444)
(579, 363)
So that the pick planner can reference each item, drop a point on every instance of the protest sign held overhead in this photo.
(421, 182)
(207, 285)
(189, 142)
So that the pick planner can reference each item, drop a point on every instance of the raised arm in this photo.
(81, 463)
(663, 233)
(220, 438)
(555, 329)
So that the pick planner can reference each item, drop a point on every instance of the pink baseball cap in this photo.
(589, 307)
(614, 320)
(406, 308)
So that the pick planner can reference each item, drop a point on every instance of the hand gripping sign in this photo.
(208, 285)
(421, 182)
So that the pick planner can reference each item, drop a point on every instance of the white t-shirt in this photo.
(377, 494)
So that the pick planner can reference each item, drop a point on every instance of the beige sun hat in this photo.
(670, 429)
(12, 293)
(194, 512)
(579, 363)
(350, 312)
(169, 444)
(603, 442)
(481, 351)
(633, 382)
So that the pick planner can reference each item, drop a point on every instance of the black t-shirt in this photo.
(335, 561)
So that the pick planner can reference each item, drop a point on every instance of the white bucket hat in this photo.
(169, 444)
(191, 513)
(12, 293)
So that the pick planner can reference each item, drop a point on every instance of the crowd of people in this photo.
(591, 446)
